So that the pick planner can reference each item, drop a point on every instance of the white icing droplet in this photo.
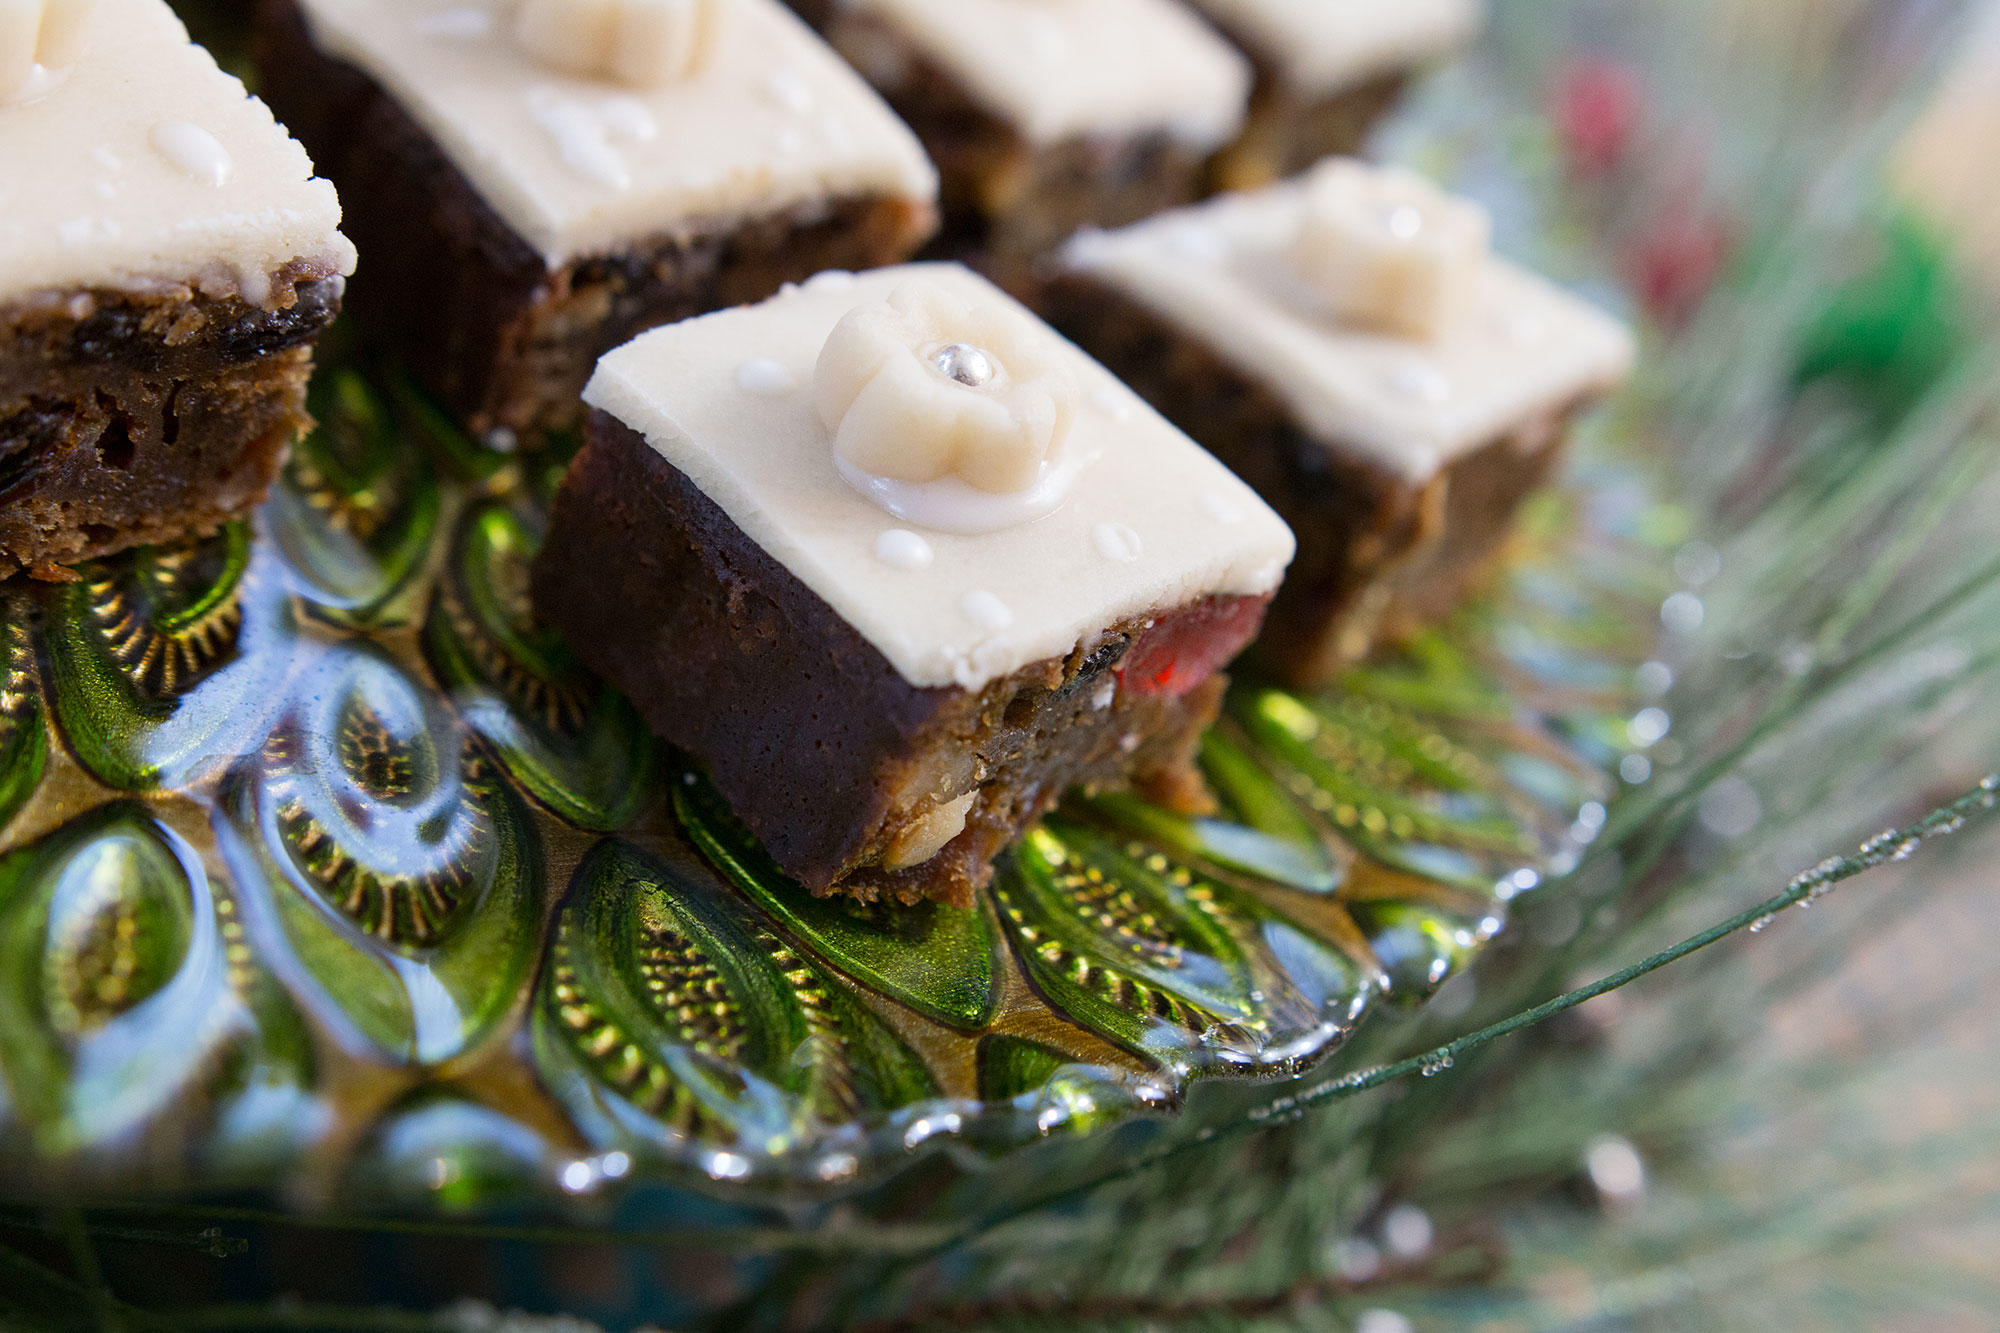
(194, 150)
(1221, 508)
(459, 23)
(830, 280)
(1111, 403)
(764, 377)
(951, 504)
(1200, 242)
(1419, 380)
(1102, 696)
(583, 131)
(1116, 542)
(904, 549)
(985, 610)
(789, 91)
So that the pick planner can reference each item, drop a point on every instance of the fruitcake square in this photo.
(535, 181)
(167, 259)
(1346, 343)
(898, 565)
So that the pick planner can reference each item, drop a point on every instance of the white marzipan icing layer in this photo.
(1321, 47)
(767, 120)
(1152, 523)
(144, 166)
(1060, 69)
(1222, 274)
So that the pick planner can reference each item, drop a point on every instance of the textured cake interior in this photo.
(501, 339)
(130, 417)
(1379, 555)
(830, 757)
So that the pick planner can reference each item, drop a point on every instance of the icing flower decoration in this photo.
(46, 33)
(928, 385)
(642, 43)
(1387, 250)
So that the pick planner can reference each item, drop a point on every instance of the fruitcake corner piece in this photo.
(167, 258)
(1347, 345)
(898, 565)
(1044, 117)
(1327, 71)
(536, 181)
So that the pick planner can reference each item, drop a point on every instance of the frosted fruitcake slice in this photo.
(535, 181)
(899, 566)
(1347, 345)
(166, 260)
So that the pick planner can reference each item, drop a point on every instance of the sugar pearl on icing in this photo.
(1220, 508)
(904, 549)
(985, 610)
(193, 150)
(1419, 380)
(1116, 542)
(764, 377)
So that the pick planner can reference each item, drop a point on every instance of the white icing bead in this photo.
(985, 610)
(1220, 508)
(584, 128)
(1385, 249)
(927, 386)
(465, 24)
(764, 377)
(643, 43)
(1102, 697)
(1419, 380)
(193, 150)
(1116, 542)
(903, 549)
(789, 91)
(830, 280)
(1111, 403)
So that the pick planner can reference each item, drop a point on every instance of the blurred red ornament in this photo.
(1596, 106)
(1674, 263)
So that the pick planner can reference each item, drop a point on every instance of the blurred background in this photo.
(1798, 201)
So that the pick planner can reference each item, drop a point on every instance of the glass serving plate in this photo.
(318, 854)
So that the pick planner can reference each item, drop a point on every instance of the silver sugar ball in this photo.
(965, 364)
